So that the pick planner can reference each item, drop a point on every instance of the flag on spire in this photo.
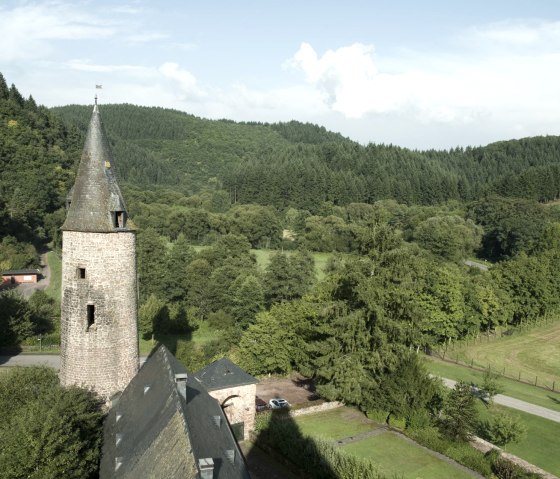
(98, 87)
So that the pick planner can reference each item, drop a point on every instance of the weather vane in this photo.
(97, 87)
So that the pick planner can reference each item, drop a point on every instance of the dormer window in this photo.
(119, 219)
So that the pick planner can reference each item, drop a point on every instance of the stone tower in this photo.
(99, 288)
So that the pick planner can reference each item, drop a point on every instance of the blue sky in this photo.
(429, 74)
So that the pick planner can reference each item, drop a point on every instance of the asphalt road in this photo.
(52, 360)
(517, 404)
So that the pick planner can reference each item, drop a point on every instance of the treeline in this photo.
(398, 280)
(37, 154)
(303, 166)
(407, 291)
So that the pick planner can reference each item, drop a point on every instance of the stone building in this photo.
(162, 421)
(99, 337)
(235, 390)
(166, 425)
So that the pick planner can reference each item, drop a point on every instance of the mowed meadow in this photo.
(532, 355)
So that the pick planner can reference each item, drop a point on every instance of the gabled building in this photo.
(162, 422)
(19, 276)
(166, 425)
(235, 390)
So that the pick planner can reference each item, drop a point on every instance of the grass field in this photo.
(199, 336)
(534, 353)
(335, 424)
(397, 456)
(512, 388)
(263, 258)
(321, 259)
(542, 443)
(55, 266)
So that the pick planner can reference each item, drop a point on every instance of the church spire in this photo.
(96, 204)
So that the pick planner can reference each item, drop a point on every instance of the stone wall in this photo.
(326, 406)
(240, 406)
(485, 446)
(103, 355)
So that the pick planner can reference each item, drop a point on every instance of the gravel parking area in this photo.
(296, 390)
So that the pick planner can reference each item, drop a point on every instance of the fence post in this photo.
(519, 378)
(536, 377)
(472, 362)
(553, 383)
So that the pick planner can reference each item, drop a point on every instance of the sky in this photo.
(419, 74)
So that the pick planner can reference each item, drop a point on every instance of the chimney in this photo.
(206, 468)
(181, 382)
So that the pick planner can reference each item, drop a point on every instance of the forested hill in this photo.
(37, 153)
(303, 165)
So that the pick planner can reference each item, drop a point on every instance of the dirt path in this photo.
(27, 289)
(517, 404)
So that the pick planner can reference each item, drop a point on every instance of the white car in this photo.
(278, 403)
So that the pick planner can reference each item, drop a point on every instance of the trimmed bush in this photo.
(316, 458)
(377, 415)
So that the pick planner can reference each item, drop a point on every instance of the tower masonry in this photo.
(99, 333)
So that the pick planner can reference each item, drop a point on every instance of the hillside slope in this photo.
(302, 165)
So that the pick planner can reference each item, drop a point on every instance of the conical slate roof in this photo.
(96, 197)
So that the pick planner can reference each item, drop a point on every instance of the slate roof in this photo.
(12, 272)
(223, 374)
(157, 433)
(95, 194)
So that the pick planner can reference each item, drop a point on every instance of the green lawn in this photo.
(542, 443)
(321, 259)
(534, 353)
(335, 424)
(55, 266)
(512, 388)
(200, 336)
(397, 456)
(263, 258)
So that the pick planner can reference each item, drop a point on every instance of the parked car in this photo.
(278, 403)
(260, 405)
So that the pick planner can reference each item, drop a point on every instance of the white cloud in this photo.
(489, 76)
(28, 29)
(88, 66)
(185, 81)
(348, 79)
(146, 37)
(528, 33)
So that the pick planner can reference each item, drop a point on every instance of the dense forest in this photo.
(303, 166)
(397, 225)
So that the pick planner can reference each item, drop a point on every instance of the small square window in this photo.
(81, 273)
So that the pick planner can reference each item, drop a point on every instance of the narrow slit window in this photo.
(82, 273)
(90, 315)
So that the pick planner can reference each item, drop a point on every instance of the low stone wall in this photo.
(326, 406)
(486, 446)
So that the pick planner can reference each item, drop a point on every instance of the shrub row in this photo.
(317, 458)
